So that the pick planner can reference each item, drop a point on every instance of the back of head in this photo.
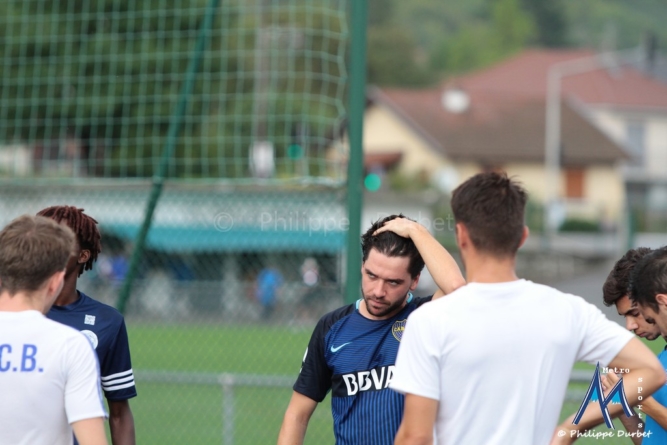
(617, 283)
(649, 278)
(491, 206)
(83, 226)
(391, 245)
(32, 249)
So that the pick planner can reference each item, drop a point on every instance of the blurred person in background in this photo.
(103, 325)
(615, 291)
(269, 281)
(50, 381)
(352, 350)
(490, 364)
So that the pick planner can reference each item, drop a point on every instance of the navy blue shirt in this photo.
(354, 357)
(105, 328)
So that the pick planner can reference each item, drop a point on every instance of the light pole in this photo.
(552, 143)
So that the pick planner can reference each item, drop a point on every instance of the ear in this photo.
(462, 236)
(55, 284)
(84, 256)
(524, 235)
(415, 282)
(661, 299)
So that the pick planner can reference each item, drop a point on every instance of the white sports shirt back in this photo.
(49, 378)
(498, 358)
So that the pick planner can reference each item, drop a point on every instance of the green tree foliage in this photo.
(392, 49)
(112, 71)
(392, 58)
(551, 22)
(481, 44)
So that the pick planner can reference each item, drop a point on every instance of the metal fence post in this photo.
(227, 383)
(355, 123)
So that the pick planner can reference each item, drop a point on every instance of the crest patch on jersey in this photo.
(398, 328)
(92, 337)
(89, 319)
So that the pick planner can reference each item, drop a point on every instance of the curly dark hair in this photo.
(83, 226)
(617, 283)
(390, 244)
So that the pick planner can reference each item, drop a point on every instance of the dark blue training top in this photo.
(354, 357)
(105, 328)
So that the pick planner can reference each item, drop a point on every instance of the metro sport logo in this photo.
(595, 393)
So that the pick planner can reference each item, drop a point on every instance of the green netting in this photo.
(214, 363)
(89, 86)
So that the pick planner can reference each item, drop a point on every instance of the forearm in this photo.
(402, 438)
(442, 266)
(295, 422)
(292, 431)
(121, 423)
(90, 431)
(658, 412)
(634, 426)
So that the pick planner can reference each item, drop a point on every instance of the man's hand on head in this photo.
(400, 226)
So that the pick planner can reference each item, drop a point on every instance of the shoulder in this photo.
(418, 301)
(98, 308)
(65, 335)
(663, 357)
(335, 316)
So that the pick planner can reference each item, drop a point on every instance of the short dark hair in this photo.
(32, 249)
(617, 284)
(649, 278)
(390, 244)
(491, 206)
(83, 226)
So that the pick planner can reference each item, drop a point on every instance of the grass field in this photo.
(180, 413)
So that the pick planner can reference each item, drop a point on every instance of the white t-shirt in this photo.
(498, 358)
(49, 378)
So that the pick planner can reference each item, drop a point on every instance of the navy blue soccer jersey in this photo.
(354, 357)
(105, 328)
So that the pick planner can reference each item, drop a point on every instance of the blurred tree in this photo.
(392, 58)
(392, 49)
(477, 45)
(112, 71)
(550, 20)
(380, 12)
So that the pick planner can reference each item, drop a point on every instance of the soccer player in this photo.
(353, 349)
(615, 291)
(103, 325)
(648, 288)
(49, 380)
(490, 363)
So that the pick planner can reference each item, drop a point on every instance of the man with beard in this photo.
(353, 349)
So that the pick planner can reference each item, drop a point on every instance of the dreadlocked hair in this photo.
(84, 226)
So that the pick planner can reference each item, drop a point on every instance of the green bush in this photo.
(579, 225)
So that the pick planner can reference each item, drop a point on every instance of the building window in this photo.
(635, 134)
(574, 183)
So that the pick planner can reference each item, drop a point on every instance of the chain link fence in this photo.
(228, 292)
(247, 244)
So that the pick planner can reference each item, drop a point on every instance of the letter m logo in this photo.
(595, 393)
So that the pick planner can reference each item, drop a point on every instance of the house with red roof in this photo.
(613, 131)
